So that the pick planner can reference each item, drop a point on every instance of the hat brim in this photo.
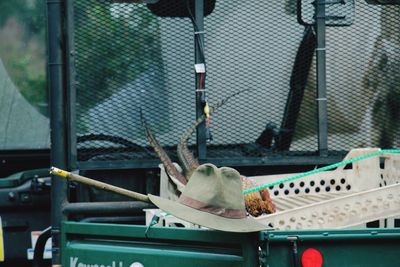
(206, 219)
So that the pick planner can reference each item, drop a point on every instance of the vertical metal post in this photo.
(250, 249)
(56, 88)
(201, 129)
(71, 84)
(321, 79)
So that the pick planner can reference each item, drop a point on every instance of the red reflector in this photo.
(311, 258)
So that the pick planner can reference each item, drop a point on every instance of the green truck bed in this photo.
(103, 245)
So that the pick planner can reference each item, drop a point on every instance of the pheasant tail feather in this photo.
(188, 161)
(165, 160)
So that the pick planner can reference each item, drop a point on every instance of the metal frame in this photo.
(321, 79)
(275, 160)
(58, 121)
(71, 92)
(199, 39)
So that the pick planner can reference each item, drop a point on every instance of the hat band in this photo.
(198, 205)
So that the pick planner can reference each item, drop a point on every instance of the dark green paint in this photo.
(363, 248)
(91, 244)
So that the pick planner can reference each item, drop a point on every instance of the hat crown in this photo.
(212, 198)
(217, 190)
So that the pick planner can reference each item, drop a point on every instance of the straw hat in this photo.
(212, 198)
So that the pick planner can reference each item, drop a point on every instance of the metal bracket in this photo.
(264, 253)
(383, 2)
(295, 252)
(338, 12)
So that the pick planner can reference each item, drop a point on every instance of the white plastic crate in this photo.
(337, 199)
(340, 198)
(166, 219)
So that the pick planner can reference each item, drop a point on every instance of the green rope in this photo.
(297, 176)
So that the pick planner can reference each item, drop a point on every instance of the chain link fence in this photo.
(129, 61)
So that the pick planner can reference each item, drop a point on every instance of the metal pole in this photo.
(57, 118)
(321, 79)
(97, 184)
(200, 96)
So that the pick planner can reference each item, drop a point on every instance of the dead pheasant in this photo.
(257, 203)
(171, 170)
(188, 162)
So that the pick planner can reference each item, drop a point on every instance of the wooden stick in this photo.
(100, 185)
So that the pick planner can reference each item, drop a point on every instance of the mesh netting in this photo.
(130, 62)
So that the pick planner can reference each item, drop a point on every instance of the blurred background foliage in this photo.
(99, 29)
(23, 50)
(114, 41)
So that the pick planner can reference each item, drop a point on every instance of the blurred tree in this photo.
(22, 48)
(116, 43)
